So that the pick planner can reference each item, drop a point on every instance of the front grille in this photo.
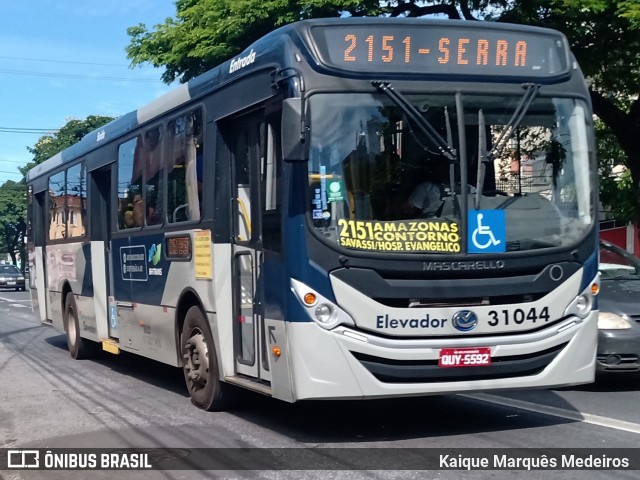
(423, 371)
(461, 301)
(619, 362)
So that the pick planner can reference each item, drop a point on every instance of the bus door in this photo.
(38, 257)
(100, 227)
(248, 144)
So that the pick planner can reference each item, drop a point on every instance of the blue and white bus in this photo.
(265, 225)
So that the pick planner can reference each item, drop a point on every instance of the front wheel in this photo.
(79, 347)
(200, 365)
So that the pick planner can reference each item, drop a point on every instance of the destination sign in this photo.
(433, 49)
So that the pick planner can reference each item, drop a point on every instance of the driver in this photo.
(425, 199)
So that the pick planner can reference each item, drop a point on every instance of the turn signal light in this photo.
(595, 288)
(276, 351)
(310, 299)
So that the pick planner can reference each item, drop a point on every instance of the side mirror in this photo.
(293, 131)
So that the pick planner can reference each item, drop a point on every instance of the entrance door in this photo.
(247, 139)
(38, 257)
(100, 218)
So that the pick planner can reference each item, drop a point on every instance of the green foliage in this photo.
(72, 132)
(13, 210)
(616, 186)
(205, 33)
(13, 205)
(605, 44)
(617, 193)
(628, 9)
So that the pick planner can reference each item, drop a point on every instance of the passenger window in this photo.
(57, 207)
(271, 178)
(184, 167)
(154, 190)
(245, 152)
(76, 200)
(130, 199)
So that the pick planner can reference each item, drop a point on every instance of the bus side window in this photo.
(184, 167)
(130, 200)
(57, 207)
(272, 209)
(76, 200)
(154, 188)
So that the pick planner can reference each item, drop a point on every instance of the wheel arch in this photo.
(189, 298)
(66, 288)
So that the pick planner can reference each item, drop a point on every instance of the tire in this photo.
(200, 364)
(79, 348)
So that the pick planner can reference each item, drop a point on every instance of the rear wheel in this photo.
(79, 347)
(200, 364)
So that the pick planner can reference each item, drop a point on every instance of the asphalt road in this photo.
(48, 400)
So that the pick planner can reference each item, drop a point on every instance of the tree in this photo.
(13, 195)
(205, 33)
(629, 9)
(13, 209)
(615, 182)
(605, 38)
(72, 132)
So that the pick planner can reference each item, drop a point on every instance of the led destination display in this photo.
(441, 50)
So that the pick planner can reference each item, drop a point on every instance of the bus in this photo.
(260, 226)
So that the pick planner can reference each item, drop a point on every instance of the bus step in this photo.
(250, 384)
(110, 346)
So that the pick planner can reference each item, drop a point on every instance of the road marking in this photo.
(558, 412)
(6, 299)
(18, 305)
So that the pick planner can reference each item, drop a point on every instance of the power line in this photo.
(64, 61)
(22, 162)
(76, 76)
(27, 130)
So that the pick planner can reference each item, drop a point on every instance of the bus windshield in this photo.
(382, 179)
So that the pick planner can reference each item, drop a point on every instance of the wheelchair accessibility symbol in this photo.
(487, 231)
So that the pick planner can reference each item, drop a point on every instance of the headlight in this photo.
(324, 313)
(612, 321)
(322, 310)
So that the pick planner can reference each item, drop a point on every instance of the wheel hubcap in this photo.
(196, 360)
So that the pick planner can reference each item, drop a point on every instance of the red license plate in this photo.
(464, 357)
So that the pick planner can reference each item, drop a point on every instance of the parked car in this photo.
(11, 277)
(619, 304)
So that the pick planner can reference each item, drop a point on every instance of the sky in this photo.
(66, 59)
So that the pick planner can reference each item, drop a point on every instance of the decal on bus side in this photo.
(134, 263)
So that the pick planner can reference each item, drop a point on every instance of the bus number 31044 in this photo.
(518, 316)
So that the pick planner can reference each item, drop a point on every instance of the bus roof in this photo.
(269, 50)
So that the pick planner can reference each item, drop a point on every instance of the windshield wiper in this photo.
(485, 157)
(416, 118)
